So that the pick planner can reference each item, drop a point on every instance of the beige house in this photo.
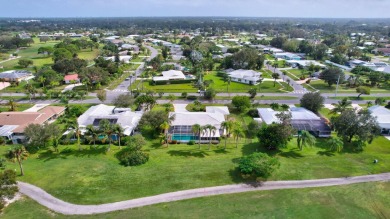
(12, 124)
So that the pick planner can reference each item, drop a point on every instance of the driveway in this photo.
(66, 208)
(180, 108)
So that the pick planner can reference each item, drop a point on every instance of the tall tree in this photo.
(312, 101)
(93, 133)
(332, 75)
(106, 127)
(237, 132)
(18, 153)
(360, 125)
(197, 130)
(118, 131)
(165, 127)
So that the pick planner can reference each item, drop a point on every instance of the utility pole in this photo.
(337, 86)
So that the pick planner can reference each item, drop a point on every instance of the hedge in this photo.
(171, 82)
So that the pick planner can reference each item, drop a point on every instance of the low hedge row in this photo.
(171, 82)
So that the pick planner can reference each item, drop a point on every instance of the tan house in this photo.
(12, 124)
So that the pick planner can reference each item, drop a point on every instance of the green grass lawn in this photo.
(20, 107)
(260, 97)
(363, 97)
(90, 176)
(364, 200)
(324, 88)
(219, 85)
(31, 53)
(42, 60)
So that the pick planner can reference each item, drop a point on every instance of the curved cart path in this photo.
(60, 206)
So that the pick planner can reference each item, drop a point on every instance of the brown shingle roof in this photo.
(23, 119)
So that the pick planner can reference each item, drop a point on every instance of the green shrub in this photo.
(258, 165)
(192, 97)
(253, 113)
(130, 157)
(192, 142)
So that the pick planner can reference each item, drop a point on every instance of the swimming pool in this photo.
(184, 137)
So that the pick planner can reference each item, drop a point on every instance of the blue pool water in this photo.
(184, 137)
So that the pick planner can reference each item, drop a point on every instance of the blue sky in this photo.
(156, 8)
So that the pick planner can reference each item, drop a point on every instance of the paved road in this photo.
(123, 87)
(60, 206)
(299, 89)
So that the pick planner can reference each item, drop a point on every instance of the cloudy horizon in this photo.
(198, 8)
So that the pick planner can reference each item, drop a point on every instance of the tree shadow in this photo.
(188, 153)
(291, 154)
(326, 153)
(221, 151)
(157, 145)
(50, 155)
(92, 151)
(64, 153)
(250, 148)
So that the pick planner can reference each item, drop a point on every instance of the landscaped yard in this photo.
(91, 176)
(219, 85)
(365, 200)
(324, 88)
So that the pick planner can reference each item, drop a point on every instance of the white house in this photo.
(302, 119)
(304, 63)
(170, 75)
(245, 76)
(287, 56)
(181, 127)
(125, 59)
(218, 109)
(223, 48)
(123, 116)
(382, 116)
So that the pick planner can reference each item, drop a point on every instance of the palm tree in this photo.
(275, 76)
(335, 144)
(93, 133)
(305, 138)
(288, 81)
(18, 154)
(118, 130)
(12, 105)
(197, 129)
(106, 128)
(74, 126)
(225, 128)
(275, 65)
(212, 131)
(165, 126)
(341, 106)
(237, 133)
(42, 80)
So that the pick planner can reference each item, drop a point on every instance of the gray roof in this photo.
(15, 74)
(220, 109)
(245, 74)
(382, 115)
(201, 118)
(268, 115)
(6, 130)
